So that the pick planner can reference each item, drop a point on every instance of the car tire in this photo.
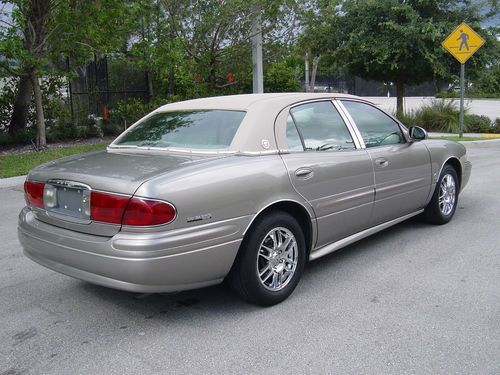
(443, 203)
(270, 260)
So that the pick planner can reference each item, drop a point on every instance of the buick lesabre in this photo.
(244, 188)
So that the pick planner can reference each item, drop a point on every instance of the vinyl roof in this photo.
(245, 101)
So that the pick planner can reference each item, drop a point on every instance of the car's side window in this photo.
(292, 136)
(320, 127)
(376, 128)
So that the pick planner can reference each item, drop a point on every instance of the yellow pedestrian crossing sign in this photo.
(463, 42)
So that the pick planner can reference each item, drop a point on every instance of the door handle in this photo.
(382, 162)
(304, 173)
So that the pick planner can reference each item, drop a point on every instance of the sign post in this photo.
(462, 43)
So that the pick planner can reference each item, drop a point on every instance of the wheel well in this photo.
(458, 168)
(299, 213)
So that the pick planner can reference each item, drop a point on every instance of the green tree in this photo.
(216, 34)
(43, 31)
(399, 41)
(280, 77)
(316, 40)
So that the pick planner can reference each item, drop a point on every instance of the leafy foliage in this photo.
(399, 42)
(194, 48)
(442, 116)
(479, 124)
(281, 77)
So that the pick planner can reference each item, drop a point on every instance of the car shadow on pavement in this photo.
(219, 298)
(369, 245)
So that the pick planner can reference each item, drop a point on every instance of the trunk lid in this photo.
(111, 171)
(118, 172)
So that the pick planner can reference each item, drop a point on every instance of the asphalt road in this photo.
(414, 299)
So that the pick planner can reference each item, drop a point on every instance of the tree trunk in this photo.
(313, 73)
(400, 93)
(40, 120)
(22, 102)
(212, 79)
(150, 85)
(171, 82)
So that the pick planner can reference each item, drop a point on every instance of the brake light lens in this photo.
(125, 210)
(146, 212)
(107, 207)
(33, 193)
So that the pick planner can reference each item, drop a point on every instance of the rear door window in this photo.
(320, 127)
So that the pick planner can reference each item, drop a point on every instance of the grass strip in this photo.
(458, 139)
(21, 164)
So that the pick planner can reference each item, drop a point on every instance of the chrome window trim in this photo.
(353, 130)
(189, 151)
(351, 121)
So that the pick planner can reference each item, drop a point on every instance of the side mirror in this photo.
(417, 133)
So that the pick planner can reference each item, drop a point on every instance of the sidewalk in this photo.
(11, 181)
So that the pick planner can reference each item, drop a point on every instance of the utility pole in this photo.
(306, 65)
(258, 74)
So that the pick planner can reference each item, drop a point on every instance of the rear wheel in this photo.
(443, 204)
(270, 261)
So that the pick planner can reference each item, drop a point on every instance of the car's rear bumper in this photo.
(137, 262)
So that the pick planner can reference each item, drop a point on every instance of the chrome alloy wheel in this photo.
(277, 259)
(447, 194)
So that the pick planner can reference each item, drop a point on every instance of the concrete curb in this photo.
(486, 136)
(12, 181)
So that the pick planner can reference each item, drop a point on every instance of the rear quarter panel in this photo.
(235, 187)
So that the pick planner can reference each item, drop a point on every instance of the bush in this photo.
(281, 78)
(109, 128)
(407, 118)
(25, 136)
(7, 96)
(5, 139)
(128, 112)
(22, 137)
(478, 124)
(439, 116)
(62, 131)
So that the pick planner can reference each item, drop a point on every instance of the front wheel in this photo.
(270, 261)
(443, 204)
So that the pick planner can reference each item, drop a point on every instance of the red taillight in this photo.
(122, 209)
(33, 193)
(113, 208)
(107, 207)
(144, 212)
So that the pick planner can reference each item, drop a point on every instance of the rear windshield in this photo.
(210, 129)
